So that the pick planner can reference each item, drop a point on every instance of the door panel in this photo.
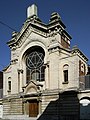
(33, 108)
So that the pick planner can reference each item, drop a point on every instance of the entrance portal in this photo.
(33, 108)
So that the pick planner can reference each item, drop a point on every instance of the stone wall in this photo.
(13, 106)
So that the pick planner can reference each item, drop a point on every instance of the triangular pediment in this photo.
(29, 26)
(32, 87)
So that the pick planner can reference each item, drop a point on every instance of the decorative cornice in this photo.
(14, 43)
(55, 18)
(34, 24)
(75, 49)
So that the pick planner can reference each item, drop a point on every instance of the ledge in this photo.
(9, 91)
(65, 82)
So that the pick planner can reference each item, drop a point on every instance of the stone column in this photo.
(20, 80)
(47, 76)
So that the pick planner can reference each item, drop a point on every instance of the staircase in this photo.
(18, 117)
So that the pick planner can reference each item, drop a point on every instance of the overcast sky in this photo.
(75, 14)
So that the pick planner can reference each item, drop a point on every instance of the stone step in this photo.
(18, 117)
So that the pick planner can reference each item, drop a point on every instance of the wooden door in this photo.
(33, 108)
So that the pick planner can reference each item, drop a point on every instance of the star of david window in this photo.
(34, 66)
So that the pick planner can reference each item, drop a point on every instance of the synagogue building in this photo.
(46, 78)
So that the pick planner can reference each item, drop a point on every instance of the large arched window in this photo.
(35, 64)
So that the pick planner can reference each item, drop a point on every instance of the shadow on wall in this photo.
(65, 108)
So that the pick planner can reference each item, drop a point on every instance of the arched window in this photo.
(65, 73)
(9, 85)
(35, 65)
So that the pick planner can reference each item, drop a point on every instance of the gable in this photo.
(32, 40)
(28, 27)
(32, 88)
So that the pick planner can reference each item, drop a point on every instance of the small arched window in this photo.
(9, 84)
(65, 73)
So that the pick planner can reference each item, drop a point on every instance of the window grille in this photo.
(35, 66)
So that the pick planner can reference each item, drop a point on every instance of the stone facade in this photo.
(42, 68)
